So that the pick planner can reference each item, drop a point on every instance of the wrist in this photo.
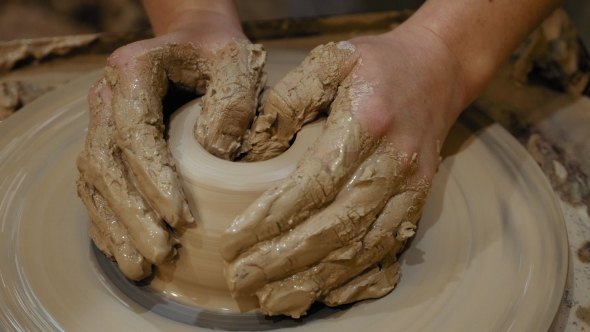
(475, 65)
(206, 20)
(437, 64)
(173, 16)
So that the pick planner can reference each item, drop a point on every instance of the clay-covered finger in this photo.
(102, 167)
(397, 220)
(235, 79)
(298, 98)
(386, 236)
(373, 283)
(138, 88)
(326, 235)
(110, 236)
(316, 181)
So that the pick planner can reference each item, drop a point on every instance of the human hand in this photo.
(128, 179)
(331, 230)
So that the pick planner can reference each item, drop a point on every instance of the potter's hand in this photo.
(331, 230)
(127, 179)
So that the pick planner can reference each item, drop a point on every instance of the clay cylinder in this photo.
(217, 191)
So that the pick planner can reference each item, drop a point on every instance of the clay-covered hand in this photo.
(128, 179)
(330, 232)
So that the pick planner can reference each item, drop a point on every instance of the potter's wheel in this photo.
(490, 252)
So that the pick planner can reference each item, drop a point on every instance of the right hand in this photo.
(128, 179)
(331, 230)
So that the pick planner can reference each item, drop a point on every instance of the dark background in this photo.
(43, 18)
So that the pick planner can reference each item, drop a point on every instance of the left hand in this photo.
(331, 230)
(128, 179)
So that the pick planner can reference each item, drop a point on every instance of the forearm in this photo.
(169, 16)
(480, 34)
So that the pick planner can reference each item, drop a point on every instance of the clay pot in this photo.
(217, 191)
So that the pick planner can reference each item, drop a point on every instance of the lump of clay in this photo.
(229, 105)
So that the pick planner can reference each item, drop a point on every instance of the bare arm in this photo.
(480, 33)
(170, 16)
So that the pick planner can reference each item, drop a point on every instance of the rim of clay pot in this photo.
(198, 167)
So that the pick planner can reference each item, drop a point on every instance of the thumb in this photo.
(298, 98)
(235, 80)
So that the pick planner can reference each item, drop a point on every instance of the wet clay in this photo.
(196, 277)
(366, 267)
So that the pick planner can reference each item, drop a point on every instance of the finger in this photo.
(298, 98)
(138, 89)
(373, 283)
(229, 105)
(110, 236)
(328, 234)
(101, 166)
(319, 176)
(397, 220)
(293, 295)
